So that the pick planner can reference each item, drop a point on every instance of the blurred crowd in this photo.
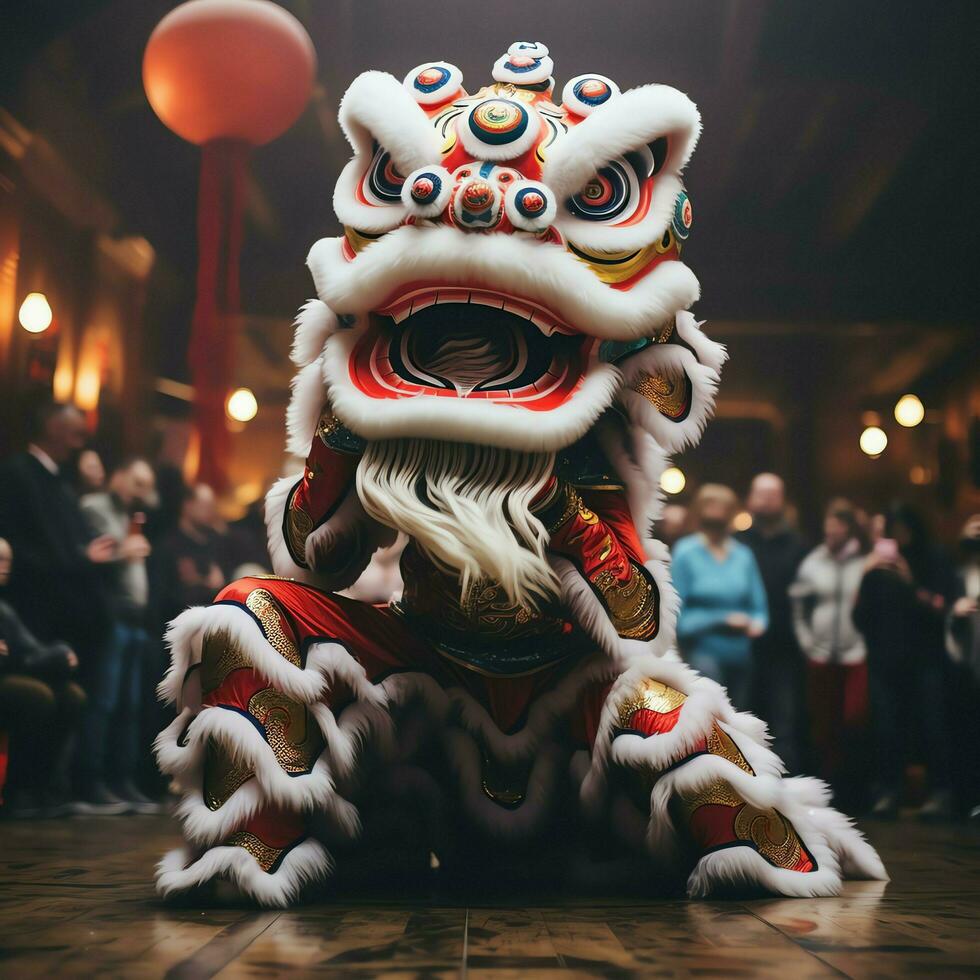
(861, 652)
(95, 559)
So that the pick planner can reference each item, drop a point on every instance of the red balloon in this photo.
(229, 69)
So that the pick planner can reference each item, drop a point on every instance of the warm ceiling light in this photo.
(873, 441)
(909, 411)
(35, 313)
(242, 405)
(672, 480)
(743, 521)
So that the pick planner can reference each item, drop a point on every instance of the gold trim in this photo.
(264, 854)
(627, 264)
(358, 240)
(649, 695)
(720, 743)
(632, 605)
(220, 655)
(294, 739)
(773, 835)
(222, 777)
(717, 793)
(669, 396)
(265, 608)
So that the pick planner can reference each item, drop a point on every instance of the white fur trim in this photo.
(377, 107)
(325, 662)
(632, 120)
(313, 791)
(517, 265)
(709, 352)
(502, 73)
(305, 864)
(463, 420)
(314, 323)
(305, 405)
(671, 361)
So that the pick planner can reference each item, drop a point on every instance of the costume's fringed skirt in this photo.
(286, 694)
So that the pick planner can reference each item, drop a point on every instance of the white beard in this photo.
(467, 506)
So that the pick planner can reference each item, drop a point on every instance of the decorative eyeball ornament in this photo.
(476, 203)
(530, 206)
(526, 63)
(426, 191)
(585, 93)
(499, 129)
(683, 216)
(434, 83)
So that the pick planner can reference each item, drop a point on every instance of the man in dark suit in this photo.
(56, 583)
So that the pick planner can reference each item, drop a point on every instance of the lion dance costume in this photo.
(499, 360)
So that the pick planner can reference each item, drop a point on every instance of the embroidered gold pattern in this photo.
(328, 424)
(264, 855)
(669, 396)
(772, 834)
(299, 526)
(632, 605)
(221, 776)
(505, 785)
(720, 743)
(296, 741)
(220, 655)
(266, 610)
(649, 695)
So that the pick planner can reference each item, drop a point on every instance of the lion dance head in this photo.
(509, 284)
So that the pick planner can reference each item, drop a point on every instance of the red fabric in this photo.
(613, 508)
(653, 722)
(276, 827)
(327, 475)
(713, 825)
(593, 547)
(584, 722)
(236, 689)
(837, 698)
(219, 237)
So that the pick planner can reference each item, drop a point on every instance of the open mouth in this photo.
(453, 342)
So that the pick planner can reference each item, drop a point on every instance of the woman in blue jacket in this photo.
(723, 600)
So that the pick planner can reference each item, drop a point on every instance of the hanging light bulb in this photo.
(35, 313)
(909, 411)
(242, 405)
(873, 441)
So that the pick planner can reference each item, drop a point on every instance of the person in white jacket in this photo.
(823, 596)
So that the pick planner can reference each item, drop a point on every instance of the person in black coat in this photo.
(40, 708)
(57, 587)
(778, 664)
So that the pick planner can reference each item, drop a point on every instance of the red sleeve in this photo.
(327, 476)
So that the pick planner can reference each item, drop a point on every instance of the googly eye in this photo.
(499, 129)
(526, 63)
(683, 217)
(476, 204)
(530, 206)
(612, 194)
(426, 191)
(382, 183)
(434, 83)
(585, 93)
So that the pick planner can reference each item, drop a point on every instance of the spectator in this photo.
(672, 525)
(193, 548)
(963, 646)
(900, 611)
(111, 732)
(246, 551)
(57, 587)
(823, 595)
(723, 601)
(89, 472)
(40, 706)
(778, 679)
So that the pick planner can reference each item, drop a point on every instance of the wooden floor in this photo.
(76, 900)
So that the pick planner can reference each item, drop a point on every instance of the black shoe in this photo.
(99, 801)
(138, 801)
